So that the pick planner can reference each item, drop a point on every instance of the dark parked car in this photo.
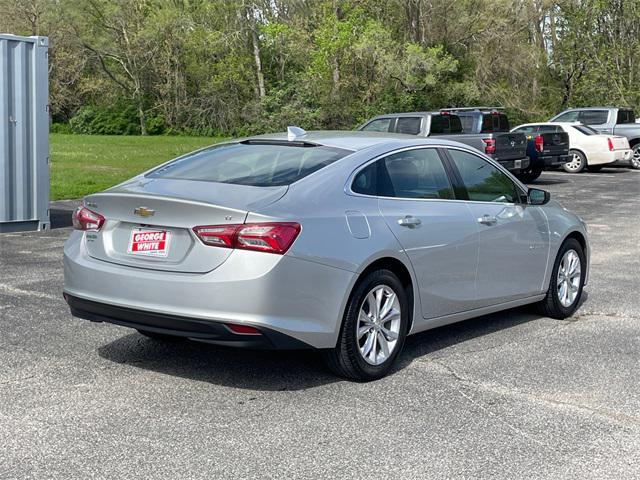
(506, 148)
(547, 147)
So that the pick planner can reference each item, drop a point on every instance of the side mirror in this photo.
(536, 196)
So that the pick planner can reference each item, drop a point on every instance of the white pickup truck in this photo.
(608, 120)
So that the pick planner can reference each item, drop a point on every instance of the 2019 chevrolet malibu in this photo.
(341, 241)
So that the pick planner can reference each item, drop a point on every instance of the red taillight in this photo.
(243, 329)
(610, 142)
(489, 145)
(87, 220)
(538, 143)
(262, 237)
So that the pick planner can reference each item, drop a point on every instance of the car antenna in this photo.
(295, 132)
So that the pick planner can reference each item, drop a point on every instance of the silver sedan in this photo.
(345, 242)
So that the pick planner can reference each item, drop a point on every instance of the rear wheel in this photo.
(594, 168)
(373, 330)
(160, 336)
(635, 158)
(529, 175)
(567, 280)
(577, 164)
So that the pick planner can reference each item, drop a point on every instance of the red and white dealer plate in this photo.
(149, 243)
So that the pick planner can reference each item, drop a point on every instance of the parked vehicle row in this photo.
(487, 131)
(588, 148)
(608, 121)
(345, 242)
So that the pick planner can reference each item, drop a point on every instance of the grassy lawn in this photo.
(83, 164)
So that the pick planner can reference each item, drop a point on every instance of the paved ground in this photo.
(510, 395)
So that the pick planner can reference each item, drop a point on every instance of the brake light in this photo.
(87, 220)
(610, 142)
(489, 145)
(262, 237)
(538, 143)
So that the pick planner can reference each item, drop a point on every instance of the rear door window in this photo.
(414, 174)
(409, 125)
(259, 163)
(593, 117)
(378, 125)
(445, 124)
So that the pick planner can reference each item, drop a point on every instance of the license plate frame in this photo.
(143, 240)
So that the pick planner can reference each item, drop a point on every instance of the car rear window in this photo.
(585, 130)
(409, 125)
(626, 116)
(260, 164)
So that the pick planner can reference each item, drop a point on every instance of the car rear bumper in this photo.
(621, 157)
(516, 165)
(551, 160)
(194, 329)
(297, 298)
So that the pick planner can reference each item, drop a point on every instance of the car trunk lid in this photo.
(146, 212)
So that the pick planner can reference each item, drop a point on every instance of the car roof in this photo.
(595, 108)
(537, 124)
(353, 140)
(405, 114)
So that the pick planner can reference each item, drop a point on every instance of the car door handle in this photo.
(487, 220)
(409, 221)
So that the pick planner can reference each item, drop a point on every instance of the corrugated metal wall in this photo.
(24, 133)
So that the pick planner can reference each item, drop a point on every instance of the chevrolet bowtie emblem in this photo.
(144, 212)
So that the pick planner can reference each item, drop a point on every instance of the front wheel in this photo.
(577, 164)
(567, 280)
(635, 158)
(373, 330)
(529, 175)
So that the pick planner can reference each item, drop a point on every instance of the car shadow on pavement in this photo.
(285, 370)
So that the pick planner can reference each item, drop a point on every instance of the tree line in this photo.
(233, 67)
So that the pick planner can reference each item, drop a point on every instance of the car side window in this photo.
(379, 125)
(366, 181)
(414, 174)
(408, 125)
(550, 129)
(593, 117)
(568, 117)
(528, 130)
(483, 181)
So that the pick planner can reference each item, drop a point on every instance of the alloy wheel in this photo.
(569, 276)
(575, 163)
(378, 325)
(635, 158)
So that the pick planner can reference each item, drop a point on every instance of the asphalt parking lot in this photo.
(510, 395)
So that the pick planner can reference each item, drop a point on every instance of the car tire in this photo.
(529, 175)
(595, 168)
(361, 327)
(577, 164)
(553, 304)
(160, 336)
(635, 157)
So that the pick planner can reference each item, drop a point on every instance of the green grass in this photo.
(84, 164)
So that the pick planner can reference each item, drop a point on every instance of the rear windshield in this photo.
(257, 164)
(585, 130)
